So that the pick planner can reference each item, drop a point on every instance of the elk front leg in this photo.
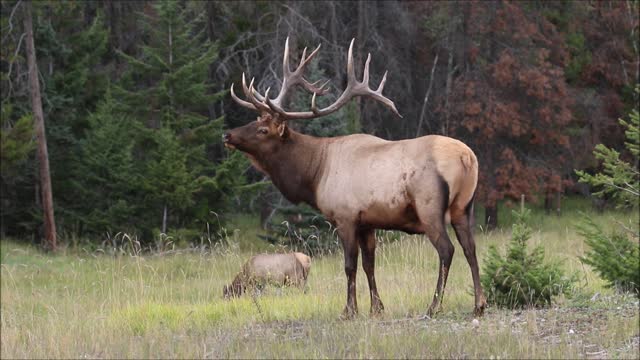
(367, 239)
(350, 245)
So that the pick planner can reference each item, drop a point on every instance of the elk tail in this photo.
(467, 162)
(468, 211)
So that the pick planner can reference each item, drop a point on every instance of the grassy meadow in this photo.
(94, 304)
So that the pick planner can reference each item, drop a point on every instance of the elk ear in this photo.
(283, 131)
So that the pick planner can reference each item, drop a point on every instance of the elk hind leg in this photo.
(462, 222)
(432, 219)
(445, 249)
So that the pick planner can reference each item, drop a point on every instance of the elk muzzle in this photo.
(226, 139)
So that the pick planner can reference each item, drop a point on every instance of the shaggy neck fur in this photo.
(295, 168)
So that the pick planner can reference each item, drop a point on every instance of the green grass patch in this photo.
(83, 304)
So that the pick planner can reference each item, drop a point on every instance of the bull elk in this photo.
(361, 182)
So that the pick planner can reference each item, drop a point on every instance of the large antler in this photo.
(290, 78)
(354, 88)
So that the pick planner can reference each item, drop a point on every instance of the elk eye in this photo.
(263, 131)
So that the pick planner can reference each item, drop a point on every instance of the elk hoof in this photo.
(376, 309)
(348, 313)
(376, 313)
(480, 306)
(432, 311)
(479, 309)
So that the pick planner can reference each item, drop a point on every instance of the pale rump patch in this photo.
(458, 165)
(305, 261)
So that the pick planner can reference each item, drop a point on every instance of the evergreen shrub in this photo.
(522, 278)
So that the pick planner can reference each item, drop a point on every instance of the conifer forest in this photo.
(135, 98)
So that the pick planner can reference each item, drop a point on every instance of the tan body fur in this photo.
(290, 269)
(376, 183)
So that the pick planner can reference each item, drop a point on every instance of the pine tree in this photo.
(619, 179)
(105, 177)
(616, 255)
(16, 145)
(16, 142)
(166, 90)
(522, 278)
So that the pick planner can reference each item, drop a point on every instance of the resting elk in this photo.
(361, 182)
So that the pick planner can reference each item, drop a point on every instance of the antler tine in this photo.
(326, 83)
(262, 105)
(252, 93)
(314, 109)
(322, 88)
(245, 88)
(285, 61)
(381, 86)
(365, 75)
(240, 101)
(253, 96)
(351, 76)
(249, 91)
(292, 78)
(304, 61)
(266, 96)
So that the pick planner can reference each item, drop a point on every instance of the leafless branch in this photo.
(15, 55)
(13, 11)
(426, 97)
(306, 20)
(630, 189)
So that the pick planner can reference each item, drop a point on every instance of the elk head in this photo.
(269, 130)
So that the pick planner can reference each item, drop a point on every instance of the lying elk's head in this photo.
(231, 291)
(265, 134)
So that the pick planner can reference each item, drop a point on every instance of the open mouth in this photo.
(229, 146)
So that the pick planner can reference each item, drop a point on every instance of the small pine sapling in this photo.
(522, 278)
(616, 256)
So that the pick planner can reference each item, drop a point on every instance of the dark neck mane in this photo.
(295, 168)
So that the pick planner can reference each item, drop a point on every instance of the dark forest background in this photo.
(135, 98)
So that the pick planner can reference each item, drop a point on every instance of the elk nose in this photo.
(226, 137)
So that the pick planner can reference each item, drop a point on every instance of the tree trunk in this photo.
(43, 154)
(448, 86)
(337, 69)
(548, 202)
(491, 217)
(552, 202)
(164, 220)
(426, 97)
